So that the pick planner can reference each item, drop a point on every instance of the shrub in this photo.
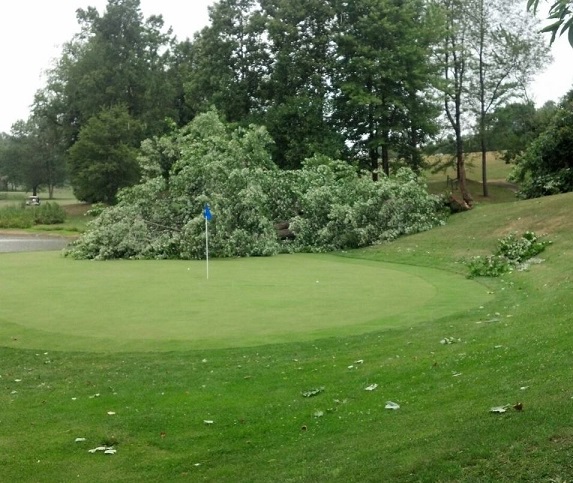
(546, 166)
(16, 217)
(49, 214)
(511, 253)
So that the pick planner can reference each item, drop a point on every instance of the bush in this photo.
(16, 217)
(26, 217)
(512, 252)
(49, 214)
(546, 167)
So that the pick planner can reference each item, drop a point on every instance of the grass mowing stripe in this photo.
(170, 305)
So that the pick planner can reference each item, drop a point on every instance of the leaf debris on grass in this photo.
(312, 392)
(392, 405)
(103, 449)
(499, 409)
(449, 340)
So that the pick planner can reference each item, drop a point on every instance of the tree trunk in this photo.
(385, 159)
(461, 167)
(373, 164)
(484, 169)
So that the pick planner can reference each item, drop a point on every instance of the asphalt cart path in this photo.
(31, 243)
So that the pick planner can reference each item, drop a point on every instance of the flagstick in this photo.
(207, 244)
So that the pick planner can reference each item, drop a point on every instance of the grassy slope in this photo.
(500, 191)
(264, 430)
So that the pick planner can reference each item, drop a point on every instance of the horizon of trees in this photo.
(366, 82)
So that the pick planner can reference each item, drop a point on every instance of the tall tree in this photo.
(117, 58)
(104, 159)
(506, 52)
(299, 106)
(376, 83)
(32, 156)
(229, 63)
(454, 57)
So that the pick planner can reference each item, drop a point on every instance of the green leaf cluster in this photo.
(328, 203)
(546, 166)
(512, 252)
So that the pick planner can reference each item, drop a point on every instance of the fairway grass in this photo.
(313, 409)
(171, 305)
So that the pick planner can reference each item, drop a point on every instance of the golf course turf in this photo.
(52, 302)
(310, 410)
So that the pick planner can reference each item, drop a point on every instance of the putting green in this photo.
(50, 302)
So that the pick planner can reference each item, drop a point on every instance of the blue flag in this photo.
(207, 213)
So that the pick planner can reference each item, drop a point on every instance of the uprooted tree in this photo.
(328, 204)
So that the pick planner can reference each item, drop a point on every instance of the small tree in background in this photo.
(546, 167)
(104, 159)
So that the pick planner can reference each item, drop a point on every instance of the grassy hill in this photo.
(500, 190)
(301, 411)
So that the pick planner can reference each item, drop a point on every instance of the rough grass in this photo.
(500, 190)
(239, 414)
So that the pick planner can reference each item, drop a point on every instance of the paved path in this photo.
(31, 243)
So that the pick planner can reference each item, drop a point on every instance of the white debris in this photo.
(371, 387)
(99, 448)
(79, 440)
(391, 405)
(208, 421)
(499, 409)
(449, 340)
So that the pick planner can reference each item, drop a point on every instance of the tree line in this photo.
(364, 81)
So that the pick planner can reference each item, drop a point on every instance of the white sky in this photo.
(33, 31)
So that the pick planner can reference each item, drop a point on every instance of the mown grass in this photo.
(500, 190)
(171, 305)
(516, 347)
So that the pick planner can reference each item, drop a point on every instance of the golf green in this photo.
(51, 302)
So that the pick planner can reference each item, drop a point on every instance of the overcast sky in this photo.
(33, 31)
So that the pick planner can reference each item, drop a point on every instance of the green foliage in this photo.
(560, 16)
(26, 217)
(546, 167)
(340, 210)
(104, 159)
(383, 51)
(32, 156)
(163, 385)
(512, 252)
(49, 214)
(16, 217)
(329, 204)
